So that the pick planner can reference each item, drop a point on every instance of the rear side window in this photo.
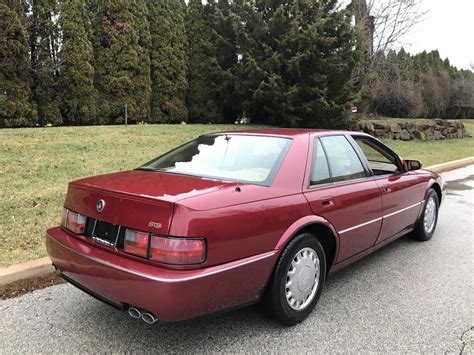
(320, 172)
(344, 163)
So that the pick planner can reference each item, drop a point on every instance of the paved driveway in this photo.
(409, 296)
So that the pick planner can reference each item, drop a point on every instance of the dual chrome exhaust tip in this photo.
(138, 313)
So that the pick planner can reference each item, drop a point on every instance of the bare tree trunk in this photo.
(366, 23)
(383, 23)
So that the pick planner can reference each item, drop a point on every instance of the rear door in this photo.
(341, 189)
(401, 191)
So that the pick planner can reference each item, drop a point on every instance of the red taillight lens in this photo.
(136, 243)
(73, 221)
(178, 251)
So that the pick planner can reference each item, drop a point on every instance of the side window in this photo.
(320, 170)
(343, 161)
(381, 161)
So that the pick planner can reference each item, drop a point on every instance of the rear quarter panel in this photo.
(239, 231)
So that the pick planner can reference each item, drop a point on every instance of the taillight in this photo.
(178, 251)
(136, 243)
(73, 221)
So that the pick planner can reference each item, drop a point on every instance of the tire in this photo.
(298, 263)
(426, 225)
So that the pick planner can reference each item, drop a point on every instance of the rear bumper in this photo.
(171, 295)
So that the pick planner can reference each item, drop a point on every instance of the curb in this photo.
(23, 271)
(43, 266)
(451, 165)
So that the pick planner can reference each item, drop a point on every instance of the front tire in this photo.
(426, 225)
(297, 281)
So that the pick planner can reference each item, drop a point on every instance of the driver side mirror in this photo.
(413, 165)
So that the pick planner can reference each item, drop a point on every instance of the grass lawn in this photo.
(435, 152)
(37, 163)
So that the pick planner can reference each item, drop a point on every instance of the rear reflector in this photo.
(177, 251)
(136, 243)
(73, 221)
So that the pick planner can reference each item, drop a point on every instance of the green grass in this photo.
(37, 163)
(435, 152)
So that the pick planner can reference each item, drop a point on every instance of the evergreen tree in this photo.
(168, 60)
(224, 25)
(298, 62)
(77, 72)
(203, 90)
(16, 108)
(44, 41)
(122, 61)
(92, 7)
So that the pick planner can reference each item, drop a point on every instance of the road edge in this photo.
(451, 165)
(28, 270)
(42, 267)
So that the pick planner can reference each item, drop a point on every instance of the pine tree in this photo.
(16, 108)
(298, 62)
(77, 73)
(203, 90)
(168, 61)
(44, 42)
(224, 26)
(122, 61)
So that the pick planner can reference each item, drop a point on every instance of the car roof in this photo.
(285, 132)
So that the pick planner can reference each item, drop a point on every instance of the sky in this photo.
(448, 27)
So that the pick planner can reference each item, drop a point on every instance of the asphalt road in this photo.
(407, 297)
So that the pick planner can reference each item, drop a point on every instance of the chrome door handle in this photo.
(387, 188)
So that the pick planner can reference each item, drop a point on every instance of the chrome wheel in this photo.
(302, 279)
(429, 219)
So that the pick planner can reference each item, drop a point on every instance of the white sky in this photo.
(448, 27)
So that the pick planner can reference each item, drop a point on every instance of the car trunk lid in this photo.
(142, 200)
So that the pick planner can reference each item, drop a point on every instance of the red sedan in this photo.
(237, 217)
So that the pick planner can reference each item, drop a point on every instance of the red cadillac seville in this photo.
(236, 217)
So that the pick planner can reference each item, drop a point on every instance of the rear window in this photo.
(253, 159)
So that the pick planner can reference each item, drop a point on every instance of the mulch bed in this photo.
(29, 285)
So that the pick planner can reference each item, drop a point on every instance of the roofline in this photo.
(275, 132)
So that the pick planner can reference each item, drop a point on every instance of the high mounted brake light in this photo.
(73, 221)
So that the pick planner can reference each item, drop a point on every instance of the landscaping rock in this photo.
(379, 133)
(421, 135)
(395, 128)
(421, 126)
(370, 127)
(405, 135)
(435, 129)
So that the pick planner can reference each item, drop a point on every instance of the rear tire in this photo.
(297, 281)
(426, 225)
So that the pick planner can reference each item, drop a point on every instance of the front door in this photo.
(401, 191)
(341, 190)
